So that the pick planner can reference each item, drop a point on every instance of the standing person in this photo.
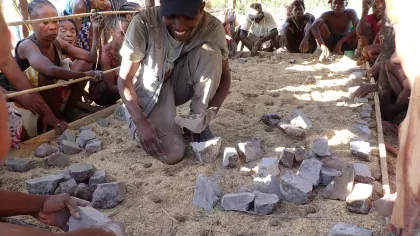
(259, 30)
(52, 210)
(332, 29)
(296, 32)
(173, 54)
(105, 91)
(83, 25)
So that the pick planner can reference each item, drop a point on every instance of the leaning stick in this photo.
(58, 18)
(61, 84)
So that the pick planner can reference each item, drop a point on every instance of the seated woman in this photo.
(296, 31)
(129, 6)
(40, 58)
(83, 25)
(105, 92)
(67, 31)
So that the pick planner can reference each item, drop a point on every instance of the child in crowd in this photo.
(105, 92)
(296, 32)
(129, 6)
(40, 57)
(332, 29)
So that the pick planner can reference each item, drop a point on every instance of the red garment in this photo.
(371, 20)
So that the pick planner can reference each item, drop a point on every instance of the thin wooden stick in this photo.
(381, 142)
(58, 18)
(63, 84)
(171, 217)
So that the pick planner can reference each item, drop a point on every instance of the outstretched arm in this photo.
(362, 26)
(224, 87)
(315, 29)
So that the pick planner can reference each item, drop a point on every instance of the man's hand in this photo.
(95, 74)
(57, 209)
(337, 49)
(367, 5)
(373, 70)
(325, 53)
(33, 103)
(365, 89)
(97, 20)
(149, 139)
(49, 119)
(304, 45)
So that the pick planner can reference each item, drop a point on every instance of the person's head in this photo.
(67, 31)
(338, 6)
(43, 9)
(379, 9)
(99, 4)
(117, 30)
(298, 9)
(255, 12)
(181, 17)
(129, 6)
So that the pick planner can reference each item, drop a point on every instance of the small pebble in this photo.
(274, 222)
(155, 199)
(147, 165)
(180, 217)
(311, 209)
(269, 129)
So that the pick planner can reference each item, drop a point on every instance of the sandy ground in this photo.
(259, 86)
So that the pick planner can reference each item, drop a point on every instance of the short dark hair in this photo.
(296, 3)
(129, 6)
(115, 21)
(257, 6)
(35, 5)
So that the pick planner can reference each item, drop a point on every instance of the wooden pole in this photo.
(58, 18)
(23, 7)
(63, 84)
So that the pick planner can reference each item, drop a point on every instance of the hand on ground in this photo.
(149, 140)
(50, 120)
(304, 45)
(337, 49)
(325, 51)
(57, 209)
(365, 89)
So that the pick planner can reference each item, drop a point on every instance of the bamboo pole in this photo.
(63, 84)
(58, 18)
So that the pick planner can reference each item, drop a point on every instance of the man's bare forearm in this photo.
(317, 34)
(245, 40)
(16, 203)
(362, 26)
(273, 33)
(224, 87)
(129, 97)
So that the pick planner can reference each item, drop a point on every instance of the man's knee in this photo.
(174, 148)
(208, 51)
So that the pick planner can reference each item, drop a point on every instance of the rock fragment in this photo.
(367, 107)
(362, 122)
(85, 128)
(93, 146)
(360, 100)
(81, 172)
(102, 122)
(98, 177)
(310, 170)
(360, 149)
(362, 131)
(207, 152)
(300, 154)
(85, 136)
(237, 201)
(328, 175)
(119, 112)
(45, 185)
(108, 195)
(292, 61)
(365, 114)
(251, 149)
(320, 147)
(271, 120)
(83, 191)
(295, 189)
(292, 130)
(57, 159)
(230, 158)
(88, 218)
(45, 150)
(242, 60)
(267, 184)
(19, 164)
(334, 162)
(300, 120)
(362, 173)
(342, 185)
(269, 166)
(68, 187)
(265, 203)
(360, 199)
(70, 148)
(206, 193)
(67, 135)
(287, 157)
(343, 229)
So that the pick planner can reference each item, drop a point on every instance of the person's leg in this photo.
(292, 41)
(400, 85)
(393, 77)
(372, 51)
(249, 40)
(325, 33)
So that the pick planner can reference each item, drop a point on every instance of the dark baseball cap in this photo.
(187, 8)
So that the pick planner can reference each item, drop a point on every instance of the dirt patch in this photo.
(259, 86)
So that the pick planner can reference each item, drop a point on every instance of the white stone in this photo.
(343, 229)
(88, 218)
(237, 201)
(206, 193)
(230, 158)
(295, 189)
(269, 166)
(320, 147)
(251, 149)
(268, 184)
(207, 152)
(360, 149)
(310, 170)
(359, 201)
(300, 120)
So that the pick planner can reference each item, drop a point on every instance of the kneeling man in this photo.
(173, 54)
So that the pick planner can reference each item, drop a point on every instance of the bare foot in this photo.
(385, 205)
(365, 89)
